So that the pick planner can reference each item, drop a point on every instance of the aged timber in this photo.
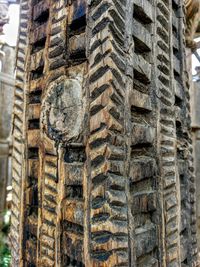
(102, 159)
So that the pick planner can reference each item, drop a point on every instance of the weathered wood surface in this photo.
(104, 172)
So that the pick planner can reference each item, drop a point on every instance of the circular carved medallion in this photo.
(62, 111)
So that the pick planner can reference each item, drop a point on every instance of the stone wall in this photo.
(102, 158)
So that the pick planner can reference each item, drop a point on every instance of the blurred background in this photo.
(9, 22)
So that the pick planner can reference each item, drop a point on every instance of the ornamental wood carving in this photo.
(102, 158)
(192, 21)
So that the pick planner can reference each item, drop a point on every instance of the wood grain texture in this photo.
(108, 173)
(18, 138)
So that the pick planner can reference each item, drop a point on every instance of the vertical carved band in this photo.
(167, 132)
(106, 148)
(18, 136)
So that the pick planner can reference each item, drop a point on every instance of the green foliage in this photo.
(5, 256)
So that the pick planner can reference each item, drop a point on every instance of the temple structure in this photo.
(103, 173)
(7, 65)
(7, 59)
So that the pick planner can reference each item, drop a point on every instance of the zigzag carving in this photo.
(167, 124)
(108, 195)
(108, 214)
(186, 171)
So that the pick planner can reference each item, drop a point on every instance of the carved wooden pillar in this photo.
(101, 120)
(192, 21)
